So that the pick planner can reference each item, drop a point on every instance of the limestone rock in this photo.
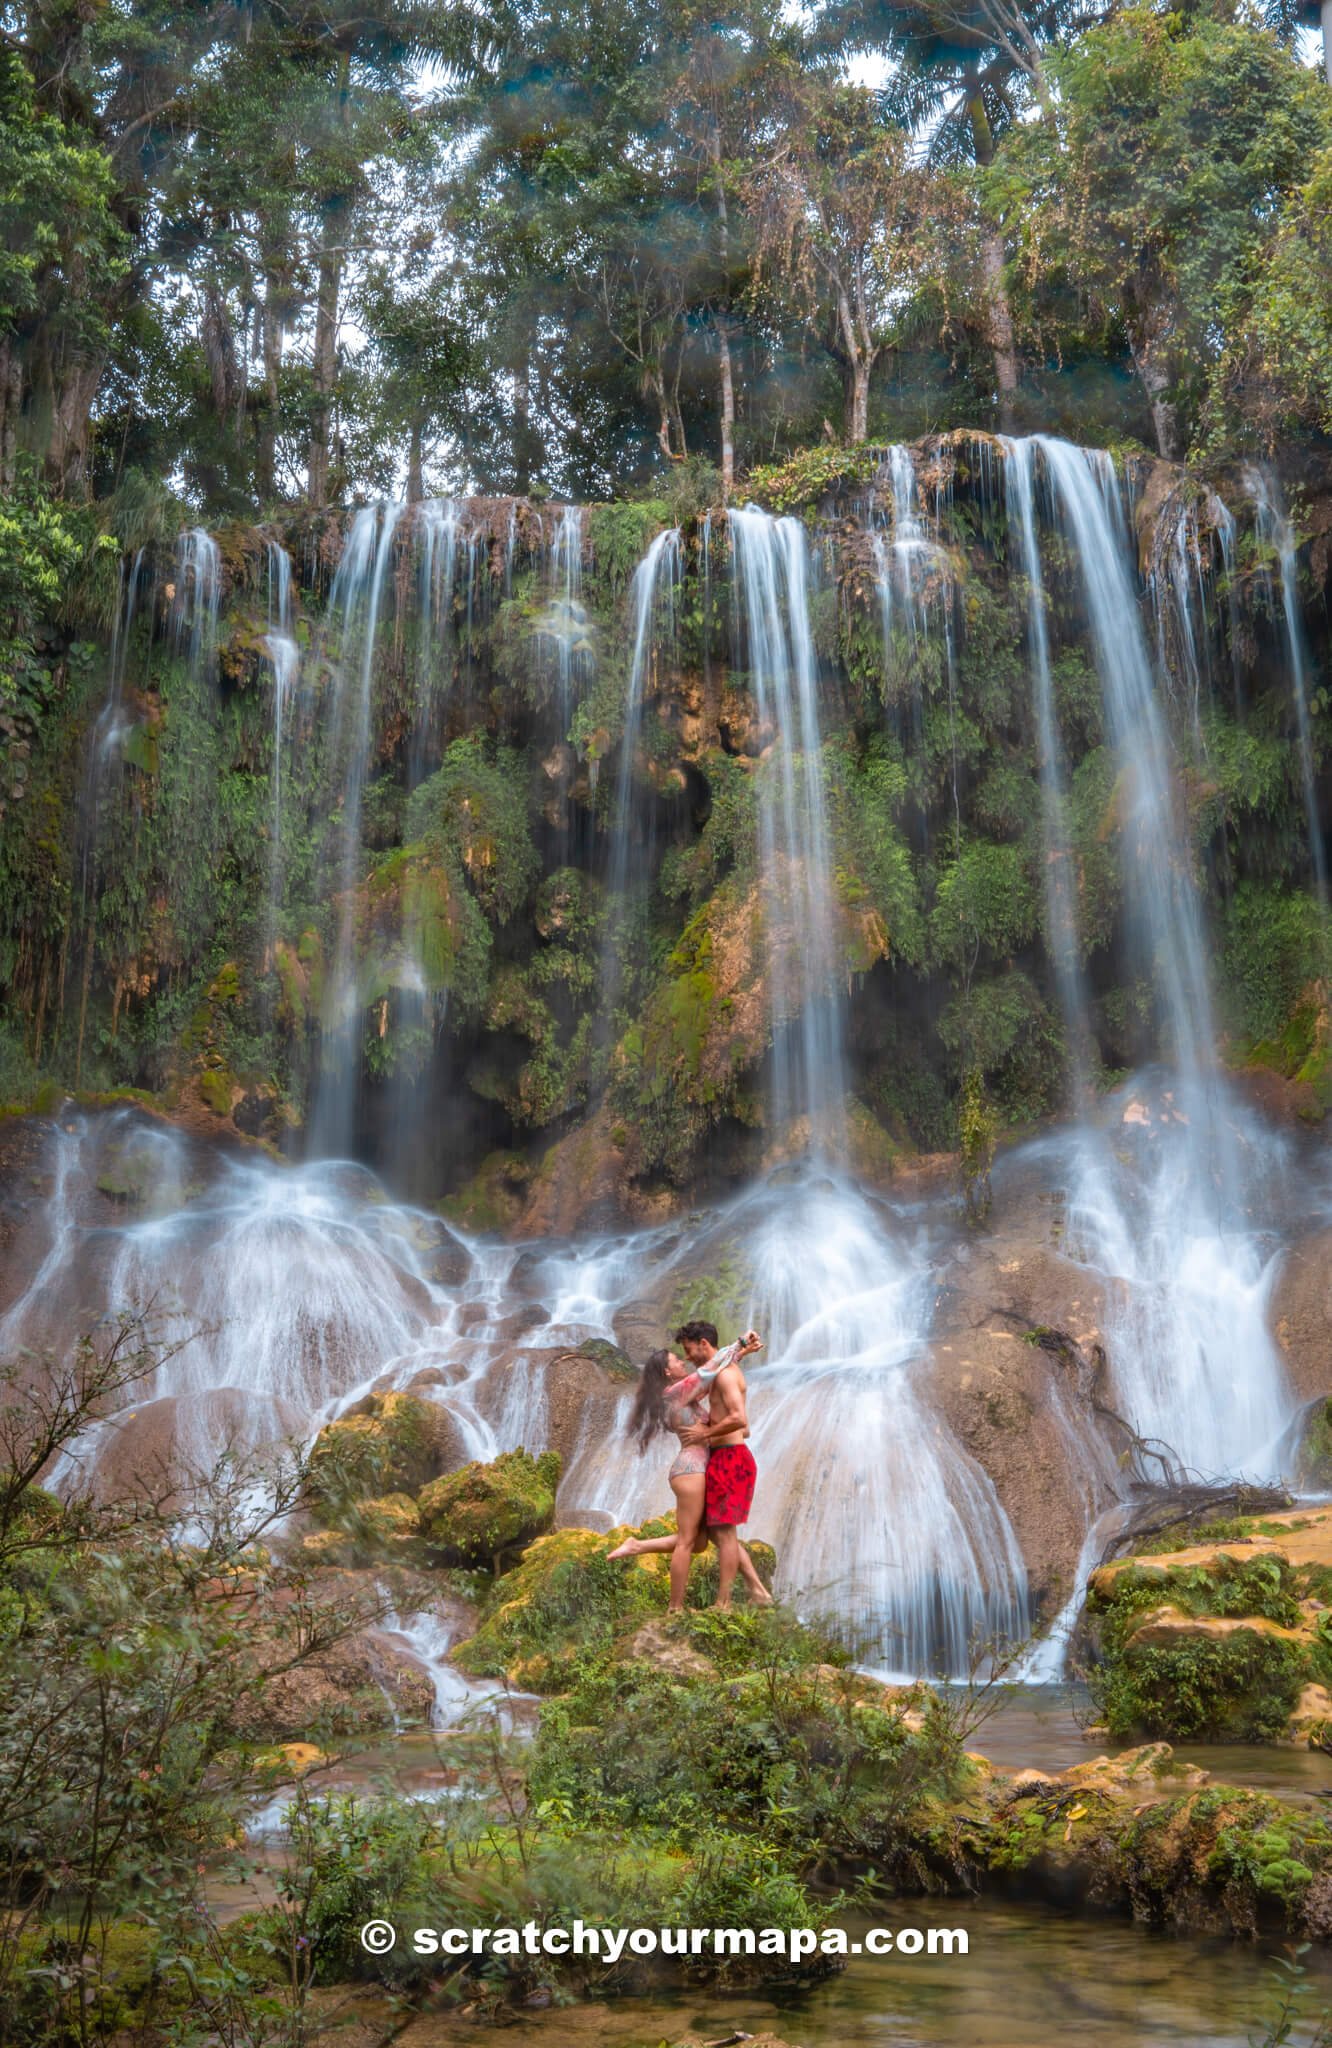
(1012, 1405)
(660, 1644)
(1302, 1314)
(390, 1443)
(476, 1515)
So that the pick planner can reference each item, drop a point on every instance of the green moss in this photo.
(387, 1444)
(484, 1512)
(566, 1609)
(811, 475)
(1240, 1685)
(215, 1087)
(619, 536)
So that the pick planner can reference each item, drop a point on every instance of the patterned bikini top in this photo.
(686, 1399)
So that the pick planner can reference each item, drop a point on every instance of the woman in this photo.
(671, 1397)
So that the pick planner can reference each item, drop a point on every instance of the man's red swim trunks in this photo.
(729, 1491)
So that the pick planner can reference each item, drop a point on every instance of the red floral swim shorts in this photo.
(729, 1489)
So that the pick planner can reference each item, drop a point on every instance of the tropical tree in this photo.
(1172, 149)
(845, 222)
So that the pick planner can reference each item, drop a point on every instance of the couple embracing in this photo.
(700, 1398)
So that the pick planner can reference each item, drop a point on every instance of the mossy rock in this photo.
(567, 1600)
(1211, 1642)
(371, 1530)
(564, 1598)
(394, 1515)
(485, 1511)
(216, 1089)
(388, 1444)
(614, 1362)
(1313, 1459)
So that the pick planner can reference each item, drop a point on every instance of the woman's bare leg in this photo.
(688, 1491)
(688, 1524)
(639, 1546)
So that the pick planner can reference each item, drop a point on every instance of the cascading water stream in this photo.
(355, 602)
(285, 659)
(1058, 869)
(1193, 1362)
(1276, 530)
(440, 523)
(800, 905)
(652, 606)
(564, 625)
(198, 596)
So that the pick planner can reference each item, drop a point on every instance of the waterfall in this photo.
(110, 727)
(355, 603)
(800, 908)
(198, 594)
(1059, 871)
(440, 522)
(1160, 879)
(652, 605)
(1275, 529)
(564, 625)
(1160, 1183)
(285, 659)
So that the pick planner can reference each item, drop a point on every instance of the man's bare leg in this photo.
(758, 1592)
(728, 1561)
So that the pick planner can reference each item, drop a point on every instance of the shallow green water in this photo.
(1032, 1979)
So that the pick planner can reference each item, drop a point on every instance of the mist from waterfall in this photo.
(292, 1292)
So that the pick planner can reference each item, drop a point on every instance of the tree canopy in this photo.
(259, 253)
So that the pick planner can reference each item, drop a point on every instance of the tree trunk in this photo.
(11, 403)
(999, 312)
(219, 346)
(727, 409)
(266, 423)
(325, 357)
(1327, 39)
(415, 481)
(71, 419)
(1000, 315)
(1156, 380)
(523, 466)
(856, 383)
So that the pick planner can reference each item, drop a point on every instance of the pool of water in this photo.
(1044, 1726)
(1031, 1979)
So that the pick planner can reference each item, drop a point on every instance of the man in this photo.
(731, 1473)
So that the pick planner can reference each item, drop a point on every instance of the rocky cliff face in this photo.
(469, 845)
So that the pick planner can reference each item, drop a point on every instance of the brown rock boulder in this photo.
(1302, 1314)
(1013, 1405)
(150, 1451)
(362, 1684)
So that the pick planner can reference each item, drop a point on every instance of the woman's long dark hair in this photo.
(648, 1414)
